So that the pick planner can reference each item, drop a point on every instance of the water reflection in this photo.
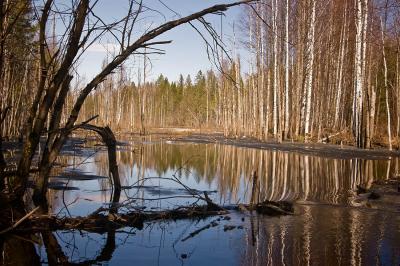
(18, 250)
(324, 235)
(319, 235)
(328, 228)
(229, 170)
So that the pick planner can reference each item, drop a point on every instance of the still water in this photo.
(331, 226)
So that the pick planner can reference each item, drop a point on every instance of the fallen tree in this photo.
(106, 219)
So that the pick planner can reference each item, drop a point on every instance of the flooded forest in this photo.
(282, 149)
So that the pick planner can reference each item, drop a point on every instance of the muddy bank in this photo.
(194, 136)
(312, 149)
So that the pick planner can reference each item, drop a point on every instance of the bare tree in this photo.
(55, 78)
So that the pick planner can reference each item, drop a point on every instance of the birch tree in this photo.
(385, 77)
(275, 88)
(286, 44)
(359, 64)
(308, 84)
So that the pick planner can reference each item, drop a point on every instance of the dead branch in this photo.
(254, 190)
(108, 138)
(9, 229)
(102, 223)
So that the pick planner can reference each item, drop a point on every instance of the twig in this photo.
(19, 222)
(198, 231)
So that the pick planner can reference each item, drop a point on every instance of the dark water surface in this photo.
(331, 225)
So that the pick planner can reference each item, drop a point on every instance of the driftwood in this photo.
(270, 208)
(101, 223)
(275, 208)
(327, 138)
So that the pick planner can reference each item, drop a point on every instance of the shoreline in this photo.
(313, 149)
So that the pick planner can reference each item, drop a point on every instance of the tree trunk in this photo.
(309, 71)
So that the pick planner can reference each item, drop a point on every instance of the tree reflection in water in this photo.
(19, 251)
(229, 170)
(326, 230)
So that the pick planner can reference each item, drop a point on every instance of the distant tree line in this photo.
(188, 102)
(319, 71)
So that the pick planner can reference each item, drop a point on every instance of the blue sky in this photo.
(187, 53)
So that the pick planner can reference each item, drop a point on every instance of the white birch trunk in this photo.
(275, 68)
(309, 69)
(340, 71)
(287, 114)
(261, 73)
(386, 87)
(359, 77)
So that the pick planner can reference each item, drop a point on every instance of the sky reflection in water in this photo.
(327, 229)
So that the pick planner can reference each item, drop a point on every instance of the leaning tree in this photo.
(83, 27)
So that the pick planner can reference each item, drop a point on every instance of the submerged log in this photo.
(270, 208)
(275, 208)
(366, 193)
